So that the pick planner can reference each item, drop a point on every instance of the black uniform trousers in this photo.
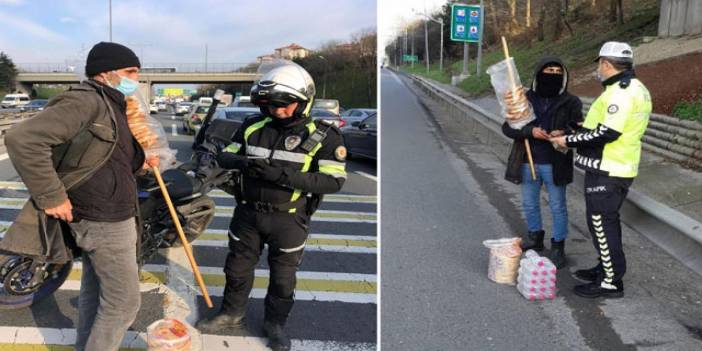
(285, 234)
(604, 197)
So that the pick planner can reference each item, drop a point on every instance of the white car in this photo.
(153, 109)
(162, 106)
(183, 108)
(15, 100)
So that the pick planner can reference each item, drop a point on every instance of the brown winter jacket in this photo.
(59, 148)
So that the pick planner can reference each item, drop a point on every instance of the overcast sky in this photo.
(236, 31)
(394, 13)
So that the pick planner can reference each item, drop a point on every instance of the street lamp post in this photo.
(326, 70)
(110, 20)
(441, 48)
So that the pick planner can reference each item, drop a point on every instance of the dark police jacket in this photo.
(321, 170)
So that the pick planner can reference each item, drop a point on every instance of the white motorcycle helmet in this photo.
(282, 83)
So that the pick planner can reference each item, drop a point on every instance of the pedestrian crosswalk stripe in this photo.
(9, 185)
(313, 244)
(256, 293)
(227, 211)
(308, 247)
(62, 339)
(310, 284)
(312, 240)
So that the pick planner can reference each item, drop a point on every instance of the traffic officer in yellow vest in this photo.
(291, 161)
(609, 149)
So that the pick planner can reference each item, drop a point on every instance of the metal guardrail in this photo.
(675, 232)
(9, 119)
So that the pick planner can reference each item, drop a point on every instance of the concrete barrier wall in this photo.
(680, 17)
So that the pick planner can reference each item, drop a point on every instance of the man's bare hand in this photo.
(539, 133)
(559, 141)
(63, 211)
(150, 162)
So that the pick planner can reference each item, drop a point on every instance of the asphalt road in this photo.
(442, 195)
(336, 297)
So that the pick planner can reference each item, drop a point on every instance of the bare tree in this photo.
(514, 25)
(540, 24)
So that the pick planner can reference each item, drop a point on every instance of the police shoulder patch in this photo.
(612, 109)
(340, 153)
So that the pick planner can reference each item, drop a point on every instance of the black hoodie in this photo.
(561, 112)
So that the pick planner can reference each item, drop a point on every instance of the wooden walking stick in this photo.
(514, 95)
(181, 234)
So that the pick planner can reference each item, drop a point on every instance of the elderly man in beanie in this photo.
(78, 160)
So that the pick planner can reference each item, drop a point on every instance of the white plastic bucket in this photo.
(503, 264)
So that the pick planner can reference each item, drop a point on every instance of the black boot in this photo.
(558, 253)
(533, 241)
(277, 339)
(222, 321)
(595, 290)
(588, 275)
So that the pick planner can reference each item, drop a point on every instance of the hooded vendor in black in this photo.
(557, 113)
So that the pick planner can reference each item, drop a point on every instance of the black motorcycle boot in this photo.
(558, 253)
(588, 275)
(595, 290)
(277, 339)
(533, 241)
(222, 321)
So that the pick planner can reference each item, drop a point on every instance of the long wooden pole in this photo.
(181, 234)
(514, 95)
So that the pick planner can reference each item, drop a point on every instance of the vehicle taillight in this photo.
(341, 122)
(194, 118)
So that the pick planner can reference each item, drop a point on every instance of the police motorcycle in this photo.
(24, 281)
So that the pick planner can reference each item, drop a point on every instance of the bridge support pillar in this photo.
(145, 91)
(24, 88)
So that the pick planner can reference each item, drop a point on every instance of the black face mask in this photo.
(548, 85)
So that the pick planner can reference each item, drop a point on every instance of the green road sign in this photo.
(410, 58)
(465, 23)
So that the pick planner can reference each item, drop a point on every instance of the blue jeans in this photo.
(556, 199)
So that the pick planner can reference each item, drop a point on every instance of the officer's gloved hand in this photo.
(228, 160)
(261, 168)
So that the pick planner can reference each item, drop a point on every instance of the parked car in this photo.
(236, 115)
(317, 113)
(327, 104)
(183, 108)
(162, 106)
(361, 138)
(357, 114)
(153, 109)
(243, 101)
(34, 105)
(14, 100)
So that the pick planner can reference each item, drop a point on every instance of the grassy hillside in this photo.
(577, 51)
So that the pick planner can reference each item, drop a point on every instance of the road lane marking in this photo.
(342, 198)
(13, 203)
(173, 117)
(260, 293)
(55, 339)
(174, 129)
(369, 176)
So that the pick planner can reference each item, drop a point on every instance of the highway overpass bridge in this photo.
(26, 79)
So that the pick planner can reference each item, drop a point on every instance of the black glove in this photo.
(228, 160)
(261, 168)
